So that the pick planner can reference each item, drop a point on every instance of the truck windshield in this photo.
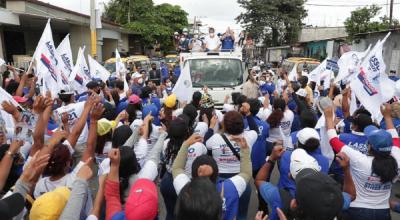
(219, 72)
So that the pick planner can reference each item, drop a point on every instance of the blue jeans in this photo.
(368, 214)
(168, 192)
(244, 200)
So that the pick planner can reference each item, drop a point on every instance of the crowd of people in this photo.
(105, 153)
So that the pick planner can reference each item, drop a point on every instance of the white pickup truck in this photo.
(222, 72)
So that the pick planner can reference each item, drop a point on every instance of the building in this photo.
(391, 48)
(321, 42)
(22, 23)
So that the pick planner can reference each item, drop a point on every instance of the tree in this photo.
(152, 23)
(275, 22)
(360, 21)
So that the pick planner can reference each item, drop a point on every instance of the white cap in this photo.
(301, 92)
(306, 133)
(136, 75)
(300, 160)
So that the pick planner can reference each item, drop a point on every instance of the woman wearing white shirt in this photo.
(280, 122)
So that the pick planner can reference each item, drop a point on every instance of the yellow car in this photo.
(110, 64)
(141, 61)
(300, 63)
(171, 59)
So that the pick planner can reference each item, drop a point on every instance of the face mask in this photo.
(168, 84)
(140, 81)
(262, 83)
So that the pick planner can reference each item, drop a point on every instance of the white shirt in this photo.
(195, 150)
(371, 193)
(74, 111)
(282, 132)
(197, 45)
(212, 43)
(226, 160)
(46, 185)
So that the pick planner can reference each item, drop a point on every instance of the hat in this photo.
(67, 90)
(20, 99)
(92, 84)
(134, 99)
(379, 139)
(206, 101)
(50, 205)
(307, 133)
(104, 126)
(11, 206)
(153, 110)
(142, 202)
(318, 195)
(170, 101)
(300, 160)
(301, 92)
(136, 75)
(121, 135)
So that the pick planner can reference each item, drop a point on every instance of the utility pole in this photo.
(93, 37)
(391, 13)
(129, 11)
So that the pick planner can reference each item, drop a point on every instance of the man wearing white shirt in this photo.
(212, 42)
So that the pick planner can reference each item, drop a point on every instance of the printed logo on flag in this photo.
(46, 62)
(366, 84)
(79, 79)
(186, 83)
(374, 64)
(67, 61)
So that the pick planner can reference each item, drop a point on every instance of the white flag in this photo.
(315, 75)
(371, 84)
(64, 50)
(97, 69)
(183, 88)
(2, 62)
(48, 62)
(293, 74)
(121, 70)
(80, 74)
(349, 63)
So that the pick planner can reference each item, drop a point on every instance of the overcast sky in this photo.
(221, 13)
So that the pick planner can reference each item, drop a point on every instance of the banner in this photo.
(80, 74)
(315, 75)
(349, 63)
(48, 62)
(121, 70)
(97, 70)
(64, 50)
(183, 88)
(371, 84)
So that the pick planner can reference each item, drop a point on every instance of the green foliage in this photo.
(152, 23)
(360, 21)
(276, 22)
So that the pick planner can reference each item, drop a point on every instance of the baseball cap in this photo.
(170, 101)
(379, 139)
(11, 206)
(300, 160)
(142, 202)
(104, 126)
(317, 195)
(206, 101)
(92, 84)
(50, 205)
(134, 99)
(301, 92)
(20, 99)
(136, 75)
(307, 133)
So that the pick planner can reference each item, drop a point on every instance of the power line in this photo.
(348, 5)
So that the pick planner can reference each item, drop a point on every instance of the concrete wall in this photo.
(391, 48)
(321, 33)
(124, 43)
(79, 36)
(109, 46)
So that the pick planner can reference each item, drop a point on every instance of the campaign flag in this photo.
(293, 74)
(326, 148)
(80, 74)
(315, 75)
(97, 70)
(121, 70)
(2, 62)
(349, 64)
(183, 88)
(371, 84)
(64, 51)
(48, 62)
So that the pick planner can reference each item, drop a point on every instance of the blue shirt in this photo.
(136, 89)
(267, 88)
(227, 43)
(164, 72)
(259, 150)
(396, 123)
(394, 78)
(230, 205)
(284, 169)
(177, 71)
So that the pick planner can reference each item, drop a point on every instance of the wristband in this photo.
(268, 160)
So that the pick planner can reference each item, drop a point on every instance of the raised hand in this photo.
(9, 107)
(97, 111)
(240, 140)
(39, 104)
(114, 156)
(193, 139)
(36, 164)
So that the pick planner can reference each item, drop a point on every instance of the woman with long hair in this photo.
(373, 174)
(280, 122)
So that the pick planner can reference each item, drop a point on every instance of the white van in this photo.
(221, 72)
